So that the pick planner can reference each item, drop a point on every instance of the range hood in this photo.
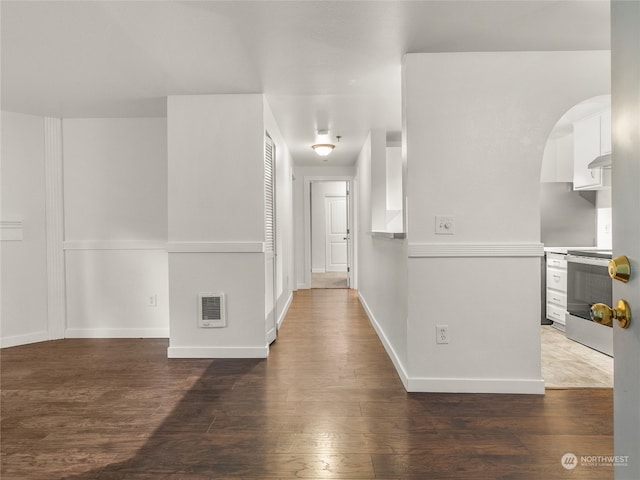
(601, 161)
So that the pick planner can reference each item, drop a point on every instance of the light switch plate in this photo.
(445, 225)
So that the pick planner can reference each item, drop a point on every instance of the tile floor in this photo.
(568, 364)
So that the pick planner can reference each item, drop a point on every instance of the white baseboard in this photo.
(17, 340)
(476, 385)
(117, 333)
(402, 373)
(451, 385)
(218, 352)
(303, 286)
(318, 270)
(285, 309)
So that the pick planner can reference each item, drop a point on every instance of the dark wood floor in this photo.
(327, 403)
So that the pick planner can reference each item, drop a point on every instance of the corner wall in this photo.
(476, 126)
(23, 236)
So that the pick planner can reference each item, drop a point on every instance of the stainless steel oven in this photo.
(588, 282)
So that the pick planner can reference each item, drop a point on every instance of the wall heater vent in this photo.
(211, 310)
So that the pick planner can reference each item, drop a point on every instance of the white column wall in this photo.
(216, 222)
(476, 127)
(115, 206)
(23, 249)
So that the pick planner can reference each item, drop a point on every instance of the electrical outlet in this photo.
(152, 300)
(442, 333)
(445, 225)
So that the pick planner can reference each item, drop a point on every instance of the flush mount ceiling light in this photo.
(323, 149)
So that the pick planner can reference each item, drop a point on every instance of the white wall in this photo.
(382, 267)
(115, 205)
(320, 190)
(216, 222)
(302, 278)
(476, 127)
(23, 311)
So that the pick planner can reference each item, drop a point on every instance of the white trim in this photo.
(54, 207)
(429, 250)
(11, 230)
(318, 270)
(477, 385)
(271, 335)
(303, 286)
(215, 247)
(218, 352)
(285, 309)
(397, 363)
(117, 333)
(114, 245)
(17, 340)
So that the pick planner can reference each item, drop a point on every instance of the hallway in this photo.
(327, 403)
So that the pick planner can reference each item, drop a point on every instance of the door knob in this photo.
(604, 314)
(619, 269)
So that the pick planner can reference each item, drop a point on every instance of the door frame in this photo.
(352, 243)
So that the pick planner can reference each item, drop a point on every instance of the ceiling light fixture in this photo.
(323, 149)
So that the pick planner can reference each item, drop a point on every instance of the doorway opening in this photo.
(575, 216)
(330, 234)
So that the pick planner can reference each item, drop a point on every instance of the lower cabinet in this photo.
(556, 289)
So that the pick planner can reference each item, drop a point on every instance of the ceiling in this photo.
(332, 65)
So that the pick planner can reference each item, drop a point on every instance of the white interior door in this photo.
(625, 190)
(336, 257)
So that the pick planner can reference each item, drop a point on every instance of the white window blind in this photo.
(269, 192)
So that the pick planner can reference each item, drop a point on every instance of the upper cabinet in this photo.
(591, 139)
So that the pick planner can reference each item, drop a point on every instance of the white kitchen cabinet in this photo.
(556, 289)
(591, 139)
(586, 147)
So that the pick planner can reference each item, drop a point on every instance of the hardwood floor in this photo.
(327, 403)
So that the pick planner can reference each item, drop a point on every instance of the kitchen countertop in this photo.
(563, 250)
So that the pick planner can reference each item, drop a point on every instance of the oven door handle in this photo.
(598, 262)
